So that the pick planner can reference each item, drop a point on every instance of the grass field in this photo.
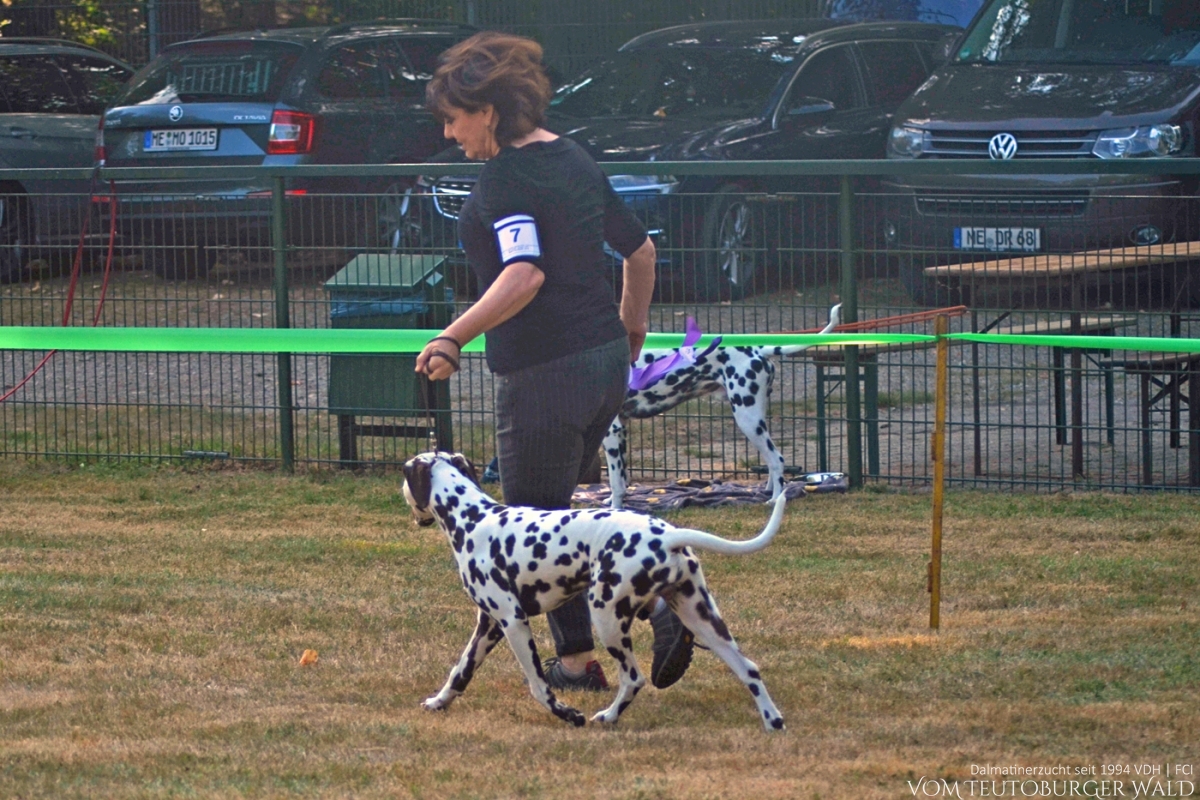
(152, 621)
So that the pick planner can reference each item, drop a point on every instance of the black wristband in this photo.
(448, 339)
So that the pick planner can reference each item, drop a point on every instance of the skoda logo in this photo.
(1003, 146)
(176, 114)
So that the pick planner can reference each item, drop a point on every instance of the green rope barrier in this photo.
(323, 340)
(1143, 343)
(348, 340)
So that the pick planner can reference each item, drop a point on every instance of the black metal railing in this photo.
(744, 247)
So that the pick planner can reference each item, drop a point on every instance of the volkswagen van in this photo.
(1036, 79)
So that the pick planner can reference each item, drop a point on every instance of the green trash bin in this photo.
(387, 291)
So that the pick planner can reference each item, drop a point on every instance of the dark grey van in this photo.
(1037, 79)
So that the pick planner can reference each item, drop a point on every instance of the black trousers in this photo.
(550, 421)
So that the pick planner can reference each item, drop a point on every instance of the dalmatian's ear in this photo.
(418, 482)
(464, 465)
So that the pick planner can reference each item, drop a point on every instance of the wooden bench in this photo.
(1171, 374)
(1010, 275)
(1092, 325)
(831, 370)
(1059, 265)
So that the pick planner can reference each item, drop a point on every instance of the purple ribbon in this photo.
(641, 377)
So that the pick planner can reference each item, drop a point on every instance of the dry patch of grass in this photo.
(152, 621)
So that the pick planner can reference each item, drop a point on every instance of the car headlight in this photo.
(660, 184)
(907, 143)
(1148, 141)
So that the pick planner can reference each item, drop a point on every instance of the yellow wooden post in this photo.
(941, 327)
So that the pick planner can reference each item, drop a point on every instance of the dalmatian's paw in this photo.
(606, 717)
(436, 703)
(571, 715)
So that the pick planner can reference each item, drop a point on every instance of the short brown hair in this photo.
(496, 69)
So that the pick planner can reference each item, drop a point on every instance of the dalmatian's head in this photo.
(418, 480)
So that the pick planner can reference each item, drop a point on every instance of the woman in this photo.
(534, 230)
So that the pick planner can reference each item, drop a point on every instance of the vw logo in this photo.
(1003, 146)
(176, 114)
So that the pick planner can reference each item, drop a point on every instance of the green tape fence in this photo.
(289, 340)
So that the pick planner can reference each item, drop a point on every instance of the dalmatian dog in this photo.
(517, 562)
(742, 374)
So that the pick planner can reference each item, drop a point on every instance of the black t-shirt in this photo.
(549, 204)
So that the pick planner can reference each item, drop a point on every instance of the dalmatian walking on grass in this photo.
(664, 379)
(517, 562)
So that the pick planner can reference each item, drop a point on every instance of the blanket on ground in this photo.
(689, 492)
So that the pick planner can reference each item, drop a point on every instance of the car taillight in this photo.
(291, 133)
(100, 154)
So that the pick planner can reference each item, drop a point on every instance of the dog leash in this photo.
(429, 399)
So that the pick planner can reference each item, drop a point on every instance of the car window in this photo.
(894, 70)
(34, 85)
(828, 75)
(1085, 32)
(354, 71)
(210, 72)
(94, 81)
(412, 65)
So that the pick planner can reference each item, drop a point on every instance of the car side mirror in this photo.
(810, 105)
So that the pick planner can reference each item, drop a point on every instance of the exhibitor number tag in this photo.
(518, 238)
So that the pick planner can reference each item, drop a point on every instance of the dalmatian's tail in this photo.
(686, 537)
(835, 318)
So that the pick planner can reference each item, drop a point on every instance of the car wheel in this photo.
(15, 235)
(385, 229)
(923, 290)
(733, 254)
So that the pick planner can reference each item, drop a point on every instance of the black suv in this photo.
(727, 91)
(349, 94)
(51, 95)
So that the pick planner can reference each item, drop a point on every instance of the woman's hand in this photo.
(439, 359)
(517, 284)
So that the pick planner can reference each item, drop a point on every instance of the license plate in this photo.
(998, 240)
(180, 139)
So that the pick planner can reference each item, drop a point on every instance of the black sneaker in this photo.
(592, 679)
(673, 646)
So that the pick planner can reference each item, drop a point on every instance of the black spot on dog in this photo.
(528, 597)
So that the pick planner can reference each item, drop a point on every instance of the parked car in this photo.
(728, 91)
(51, 95)
(1083, 79)
(942, 12)
(348, 94)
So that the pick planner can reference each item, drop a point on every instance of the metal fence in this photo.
(744, 247)
(573, 33)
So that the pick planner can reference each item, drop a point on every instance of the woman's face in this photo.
(475, 131)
